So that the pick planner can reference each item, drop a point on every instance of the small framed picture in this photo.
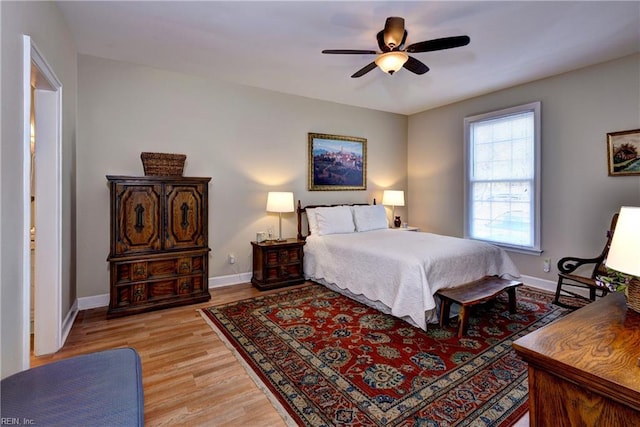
(623, 152)
(337, 162)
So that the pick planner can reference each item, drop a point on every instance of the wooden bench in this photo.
(473, 293)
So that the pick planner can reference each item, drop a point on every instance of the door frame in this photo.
(48, 212)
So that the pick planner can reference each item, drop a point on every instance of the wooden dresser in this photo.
(159, 243)
(583, 368)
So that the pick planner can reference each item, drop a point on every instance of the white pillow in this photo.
(313, 221)
(334, 220)
(372, 217)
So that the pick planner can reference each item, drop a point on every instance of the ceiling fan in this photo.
(393, 54)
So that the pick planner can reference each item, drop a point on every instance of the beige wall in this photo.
(578, 197)
(248, 140)
(43, 22)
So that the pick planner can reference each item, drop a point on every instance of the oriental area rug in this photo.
(327, 360)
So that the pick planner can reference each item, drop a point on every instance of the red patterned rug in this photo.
(329, 360)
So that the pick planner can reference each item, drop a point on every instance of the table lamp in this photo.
(393, 198)
(280, 201)
(624, 253)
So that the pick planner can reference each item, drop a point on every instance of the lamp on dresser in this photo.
(624, 253)
(281, 202)
(393, 198)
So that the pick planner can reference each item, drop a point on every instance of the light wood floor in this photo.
(189, 375)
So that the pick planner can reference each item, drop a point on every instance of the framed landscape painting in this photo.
(623, 152)
(337, 162)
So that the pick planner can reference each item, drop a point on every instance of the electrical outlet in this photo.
(232, 259)
(547, 265)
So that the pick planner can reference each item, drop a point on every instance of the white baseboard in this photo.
(231, 279)
(536, 282)
(550, 286)
(67, 323)
(96, 301)
(86, 303)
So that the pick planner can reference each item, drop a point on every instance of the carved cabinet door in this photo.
(186, 205)
(138, 218)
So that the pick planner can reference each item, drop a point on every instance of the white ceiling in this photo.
(277, 45)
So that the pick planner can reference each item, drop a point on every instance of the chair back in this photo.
(600, 269)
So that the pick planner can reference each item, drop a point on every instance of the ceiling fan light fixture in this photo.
(391, 62)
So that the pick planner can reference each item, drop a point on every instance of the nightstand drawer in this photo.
(283, 272)
(276, 256)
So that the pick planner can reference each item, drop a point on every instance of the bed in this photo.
(351, 250)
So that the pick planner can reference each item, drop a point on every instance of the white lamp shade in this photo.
(391, 62)
(624, 253)
(393, 198)
(280, 201)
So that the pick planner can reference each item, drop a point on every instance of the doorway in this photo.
(42, 196)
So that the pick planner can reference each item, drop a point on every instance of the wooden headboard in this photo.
(300, 210)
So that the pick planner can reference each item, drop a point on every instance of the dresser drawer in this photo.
(133, 271)
(148, 292)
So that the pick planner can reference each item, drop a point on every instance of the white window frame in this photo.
(535, 107)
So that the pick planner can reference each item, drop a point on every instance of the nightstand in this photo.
(407, 229)
(277, 264)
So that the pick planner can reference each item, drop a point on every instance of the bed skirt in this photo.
(431, 316)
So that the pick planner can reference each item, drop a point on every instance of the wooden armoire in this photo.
(159, 243)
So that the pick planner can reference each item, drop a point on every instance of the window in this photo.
(502, 177)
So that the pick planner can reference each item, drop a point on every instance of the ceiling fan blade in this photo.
(364, 70)
(404, 39)
(438, 44)
(383, 47)
(393, 31)
(415, 66)
(350, 52)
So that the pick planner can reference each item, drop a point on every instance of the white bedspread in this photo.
(402, 269)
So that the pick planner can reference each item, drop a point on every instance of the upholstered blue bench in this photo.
(97, 389)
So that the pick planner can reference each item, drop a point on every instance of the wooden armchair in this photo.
(569, 278)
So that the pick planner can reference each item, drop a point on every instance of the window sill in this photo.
(516, 249)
